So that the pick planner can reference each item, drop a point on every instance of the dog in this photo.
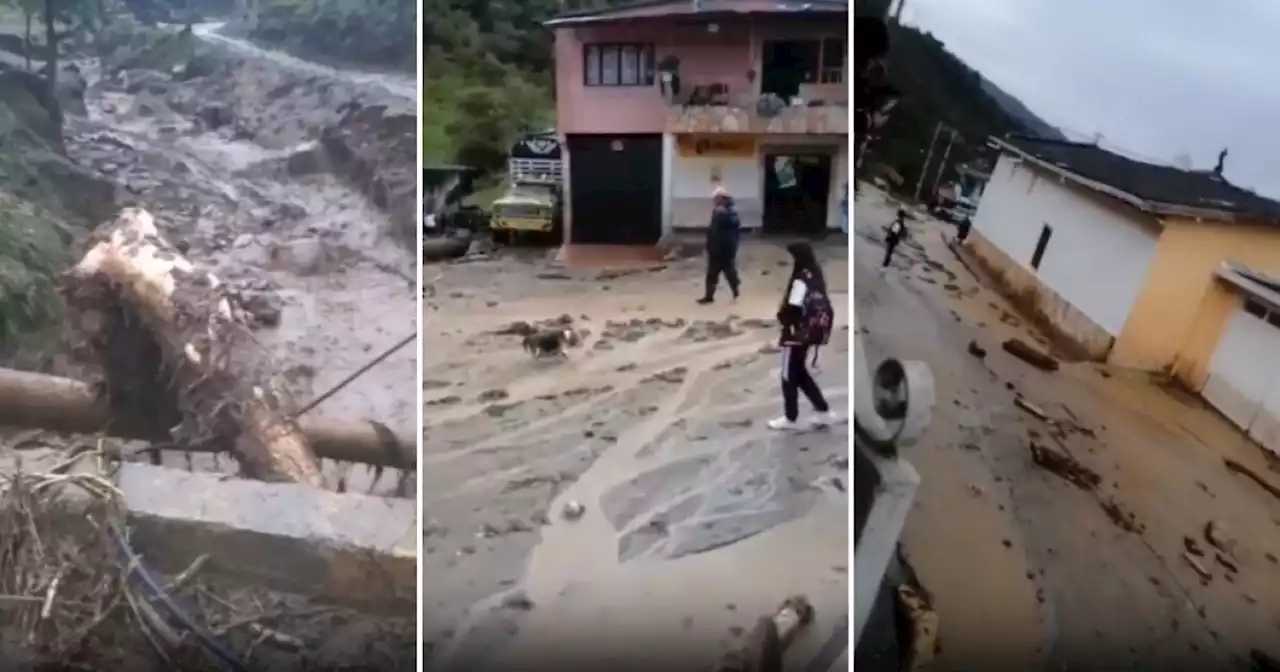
(550, 342)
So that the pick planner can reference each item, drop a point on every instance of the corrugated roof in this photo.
(1152, 183)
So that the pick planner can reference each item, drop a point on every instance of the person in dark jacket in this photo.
(722, 245)
(963, 229)
(893, 234)
(806, 318)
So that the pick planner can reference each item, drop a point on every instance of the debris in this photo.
(1065, 467)
(1123, 519)
(1192, 547)
(517, 600)
(923, 634)
(1021, 402)
(1030, 354)
(977, 350)
(1217, 537)
(171, 341)
(1195, 564)
(770, 638)
(1232, 465)
(573, 510)
(1226, 564)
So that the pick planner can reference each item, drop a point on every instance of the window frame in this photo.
(645, 70)
(837, 70)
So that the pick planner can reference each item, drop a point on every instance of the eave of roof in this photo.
(622, 12)
(1145, 205)
(1256, 284)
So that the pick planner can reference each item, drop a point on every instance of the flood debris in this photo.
(1030, 354)
(767, 644)
(977, 350)
(1232, 465)
(922, 627)
(1204, 574)
(1065, 467)
(1122, 517)
(175, 349)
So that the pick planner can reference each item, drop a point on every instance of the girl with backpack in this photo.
(806, 317)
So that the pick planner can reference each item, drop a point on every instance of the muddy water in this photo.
(1013, 554)
(696, 518)
(310, 247)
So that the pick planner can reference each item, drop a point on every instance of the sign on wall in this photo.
(716, 146)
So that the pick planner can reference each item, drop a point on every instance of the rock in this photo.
(518, 600)
(977, 350)
(303, 257)
(1030, 354)
(573, 510)
(215, 116)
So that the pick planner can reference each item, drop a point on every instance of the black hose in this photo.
(176, 612)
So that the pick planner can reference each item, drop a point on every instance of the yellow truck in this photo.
(531, 209)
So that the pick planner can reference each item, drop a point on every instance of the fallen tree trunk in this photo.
(174, 346)
(55, 404)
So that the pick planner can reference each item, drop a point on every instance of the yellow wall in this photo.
(1191, 364)
(1162, 328)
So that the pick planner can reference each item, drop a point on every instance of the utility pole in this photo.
(928, 158)
(942, 165)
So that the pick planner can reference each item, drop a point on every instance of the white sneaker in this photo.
(827, 419)
(784, 425)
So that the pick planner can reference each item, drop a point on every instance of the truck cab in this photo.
(532, 203)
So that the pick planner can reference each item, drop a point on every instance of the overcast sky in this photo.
(1157, 78)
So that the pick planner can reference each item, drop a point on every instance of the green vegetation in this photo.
(44, 200)
(936, 86)
(373, 33)
(487, 77)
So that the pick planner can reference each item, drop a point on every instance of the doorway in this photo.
(797, 192)
(786, 64)
(615, 189)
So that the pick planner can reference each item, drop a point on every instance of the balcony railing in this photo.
(819, 109)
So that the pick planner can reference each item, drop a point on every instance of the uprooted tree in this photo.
(175, 352)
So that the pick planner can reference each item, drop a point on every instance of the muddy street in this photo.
(249, 192)
(1027, 569)
(577, 500)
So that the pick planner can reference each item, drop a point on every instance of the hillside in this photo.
(487, 76)
(1021, 112)
(937, 87)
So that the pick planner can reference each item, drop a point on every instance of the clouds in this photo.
(1157, 78)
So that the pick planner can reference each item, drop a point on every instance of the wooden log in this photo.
(56, 404)
(169, 337)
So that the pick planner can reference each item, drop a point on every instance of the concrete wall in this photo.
(1162, 331)
(724, 56)
(1191, 363)
(692, 179)
(1093, 267)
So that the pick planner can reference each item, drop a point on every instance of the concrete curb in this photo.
(355, 550)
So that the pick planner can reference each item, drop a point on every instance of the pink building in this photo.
(660, 101)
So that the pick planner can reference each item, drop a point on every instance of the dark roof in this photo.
(716, 9)
(1153, 184)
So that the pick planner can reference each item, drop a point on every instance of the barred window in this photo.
(617, 64)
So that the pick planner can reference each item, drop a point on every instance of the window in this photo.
(834, 56)
(1041, 245)
(618, 64)
(1255, 309)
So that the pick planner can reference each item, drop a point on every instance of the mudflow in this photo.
(630, 490)
(238, 166)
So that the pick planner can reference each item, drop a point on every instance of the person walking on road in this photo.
(893, 234)
(722, 245)
(806, 317)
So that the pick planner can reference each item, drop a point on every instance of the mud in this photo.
(630, 492)
(1028, 570)
(233, 183)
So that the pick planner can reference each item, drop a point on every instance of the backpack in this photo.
(819, 316)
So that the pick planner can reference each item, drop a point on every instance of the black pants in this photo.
(890, 244)
(722, 263)
(796, 379)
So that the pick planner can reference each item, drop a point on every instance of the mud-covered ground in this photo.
(232, 166)
(1027, 570)
(696, 519)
